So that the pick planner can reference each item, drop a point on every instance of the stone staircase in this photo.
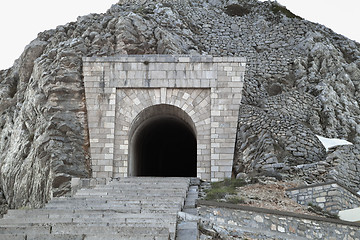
(129, 208)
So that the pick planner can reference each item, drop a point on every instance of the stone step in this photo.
(119, 218)
(187, 231)
(154, 185)
(35, 214)
(129, 197)
(59, 213)
(107, 220)
(25, 229)
(132, 198)
(101, 192)
(81, 237)
(94, 229)
(44, 223)
(117, 237)
(151, 224)
(151, 180)
(38, 220)
(73, 228)
(119, 208)
(114, 202)
(91, 203)
(141, 186)
(111, 201)
(135, 191)
(123, 209)
(18, 237)
(141, 181)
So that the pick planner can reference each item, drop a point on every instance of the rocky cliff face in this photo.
(302, 79)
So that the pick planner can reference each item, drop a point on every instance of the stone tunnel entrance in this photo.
(163, 144)
(163, 115)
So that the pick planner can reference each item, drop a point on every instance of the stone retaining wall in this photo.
(295, 226)
(347, 165)
(331, 196)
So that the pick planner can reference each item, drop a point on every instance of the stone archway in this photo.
(123, 92)
(162, 142)
(140, 106)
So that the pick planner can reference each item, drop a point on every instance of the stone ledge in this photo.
(273, 212)
(163, 59)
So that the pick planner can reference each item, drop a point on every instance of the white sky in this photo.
(22, 20)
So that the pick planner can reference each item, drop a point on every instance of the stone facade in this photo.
(271, 224)
(331, 196)
(203, 91)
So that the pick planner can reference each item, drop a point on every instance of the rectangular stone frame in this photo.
(104, 77)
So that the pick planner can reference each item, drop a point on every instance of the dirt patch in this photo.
(269, 195)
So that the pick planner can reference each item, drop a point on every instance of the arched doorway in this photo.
(163, 143)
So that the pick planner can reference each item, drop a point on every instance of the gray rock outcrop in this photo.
(302, 79)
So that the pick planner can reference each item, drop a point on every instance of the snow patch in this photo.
(332, 142)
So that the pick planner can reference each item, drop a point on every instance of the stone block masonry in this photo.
(330, 196)
(203, 91)
(273, 224)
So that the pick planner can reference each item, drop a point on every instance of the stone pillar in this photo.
(100, 103)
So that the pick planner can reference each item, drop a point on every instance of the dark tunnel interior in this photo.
(165, 147)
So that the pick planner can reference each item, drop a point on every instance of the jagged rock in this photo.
(43, 127)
